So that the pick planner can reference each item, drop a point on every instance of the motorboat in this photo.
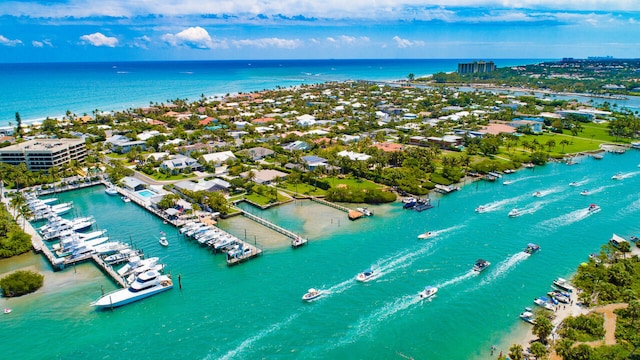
(528, 316)
(367, 275)
(480, 209)
(121, 256)
(312, 294)
(560, 296)
(514, 213)
(409, 200)
(111, 190)
(365, 211)
(125, 199)
(544, 303)
(563, 284)
(7, 310)
(573, 183)
(428, 292)
(507, 182)
(110, 247)
(617, 176)
(531, 248)
(146, 284)
(297, 242)
(593, 208)
(163, 241)
(422, 204)
(584, 192)
(480, 265)
(135, 262)
(537, 194)
(427, 235)
(410, 204)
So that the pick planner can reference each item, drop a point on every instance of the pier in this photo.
(272, 226)
(235, 260)
(107, 269)
(329, 203)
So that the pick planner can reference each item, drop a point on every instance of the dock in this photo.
(272, 226)
(235, 260)
(444, 189)
(107, 269)
(329, 203)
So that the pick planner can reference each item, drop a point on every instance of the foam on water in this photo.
(500, 204)
(504, 267)
(566, 219)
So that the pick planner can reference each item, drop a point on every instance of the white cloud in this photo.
(347, 40)
(9, 42)
(40, 44)
(99, 39)
(195, 37)
(269, 42)
(141, 42)
(406, 43)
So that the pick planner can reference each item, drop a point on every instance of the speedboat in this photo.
(584, 192)
(146, 284)
(560, 296)
(365, 211)
(563, 284)
(312, 294)
(537, 194)
(428, 292)
(410, 204)
(507, 182)
(125, 199)
(514, 213)
(366, 275)
(544, 302)
(427, 235)
(7, 310)
(481, 209)
(409, 200)
(617, 176)
(573, 183)
(528, 316)
(480, 265)
(111, 191)
(163, 241)
(593, 208)
(531, 248)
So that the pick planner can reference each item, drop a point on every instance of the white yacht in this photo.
(146, 284)
(312, 294)
(427, 235)
(111, 190)
(367, 275)
(163, 241)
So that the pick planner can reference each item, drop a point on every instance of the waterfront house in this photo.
(133, 184)
(265, 177)
(214, 184)
(180, 163)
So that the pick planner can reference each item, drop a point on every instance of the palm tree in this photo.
(515, 352)
(564, 142)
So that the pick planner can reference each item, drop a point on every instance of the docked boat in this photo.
(297, 242)
(427, 235)
(146, 284)
(514, 213)
(409, 200)
(560, 296)
(544, 303)
(531, 248)
(121, 256)
(410, 204)
(312, 294)
(480, 265)
(584, 192)
(366, 275)
(365, 211)
(125, 199)
(111, 190)
(593, 208)
(163, 241)
(563, 284)
(422, 204)
(528, 316)
(428, 292)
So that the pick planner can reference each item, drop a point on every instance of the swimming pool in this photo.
(146, 193)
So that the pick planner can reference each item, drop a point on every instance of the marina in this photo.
(564, 230)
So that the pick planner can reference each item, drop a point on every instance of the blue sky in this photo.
(108, 30)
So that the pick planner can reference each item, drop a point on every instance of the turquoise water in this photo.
(254, 309)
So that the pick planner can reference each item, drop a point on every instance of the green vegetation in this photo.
(303, 188)
(158, 176)
(351, 195)
(20, 283)
(583, 328)
(13, 241)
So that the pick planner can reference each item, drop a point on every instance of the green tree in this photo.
(18, 125)
(516, 352)
(542, 329)
(563, 348)
(21, 282)
(539, 350)
(411, 77)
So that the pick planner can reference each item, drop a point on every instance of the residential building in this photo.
(180, 163)
(256, 153)
(476, 67)
(40, 154)
(218, 158)
(122, 144)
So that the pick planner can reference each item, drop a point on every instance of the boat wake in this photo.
(633, 207)
(369, 323)
(581, 182)
(449, 229)
(566, 219)
(246, 345)
(497, 205)
(504, 267)
(457, 279)
(629, 174)
(533, 207)
(550, 191)
(600, 189)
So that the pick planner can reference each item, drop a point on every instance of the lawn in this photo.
(263, 200)
(589, 139)
(162, 177)
(302, 188)
(353, 183)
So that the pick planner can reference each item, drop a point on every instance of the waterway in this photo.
(255, 309)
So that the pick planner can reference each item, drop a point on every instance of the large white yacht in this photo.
(147, 284)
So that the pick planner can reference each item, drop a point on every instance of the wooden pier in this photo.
(329, 203)
(107, 269)
(271, 226)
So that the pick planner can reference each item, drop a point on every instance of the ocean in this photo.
(40, 90)
(254, 310)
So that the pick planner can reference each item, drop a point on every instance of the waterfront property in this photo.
(42, 154)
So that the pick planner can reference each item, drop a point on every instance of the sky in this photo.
(132, 30)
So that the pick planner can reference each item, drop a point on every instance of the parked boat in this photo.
(146, 284)
(528, 316)
(111, 190)
(125, 199)
(7, 310)
(480, 265)
(563, 284)
(422, 204)
(367, 275)
(365, 211)
(297, 242)
(560, 296)
(410, 204)
(544, 303)
(593, 208)
(514, 213)
(428, 292)
(531, 248)
(163, 241)
(312, 294)
(427, 235)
